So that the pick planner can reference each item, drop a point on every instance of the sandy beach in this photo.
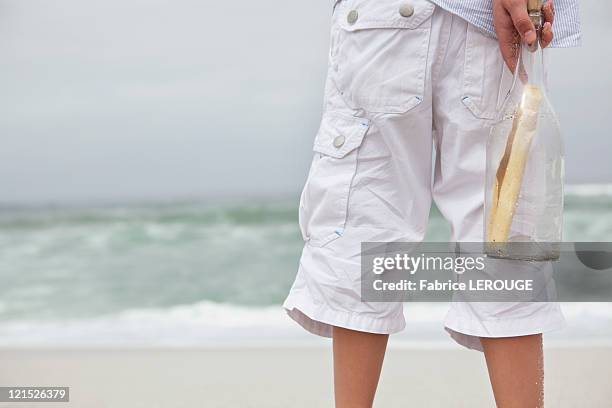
(287, 377)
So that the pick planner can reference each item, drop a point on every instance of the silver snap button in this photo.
(339, 141)
(352, 17)
(406, 10)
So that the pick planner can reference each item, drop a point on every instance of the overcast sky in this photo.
(134, 99)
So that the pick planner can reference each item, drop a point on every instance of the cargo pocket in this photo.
(324, 201)
(482, 74)
(379, 53)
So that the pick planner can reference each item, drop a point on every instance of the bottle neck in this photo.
(531, 67)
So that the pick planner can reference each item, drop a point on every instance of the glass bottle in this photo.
(525, 164)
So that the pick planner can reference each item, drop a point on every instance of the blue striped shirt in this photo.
(479, 13)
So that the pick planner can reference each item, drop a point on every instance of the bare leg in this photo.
(358, 359)
(516, 370)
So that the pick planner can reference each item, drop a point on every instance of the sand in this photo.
(287, 377)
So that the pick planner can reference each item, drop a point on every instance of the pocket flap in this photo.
(339, 135)
(368, 14)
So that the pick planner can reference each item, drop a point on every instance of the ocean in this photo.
(189, 274)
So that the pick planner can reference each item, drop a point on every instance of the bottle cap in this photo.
(534, 5)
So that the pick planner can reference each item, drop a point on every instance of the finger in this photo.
(547, 35)
(509, 50)
(549, 12)
(522, 22)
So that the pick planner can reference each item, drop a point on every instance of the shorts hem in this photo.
(467, 333)
(320, 319)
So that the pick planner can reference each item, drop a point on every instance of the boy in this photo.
(405, 75)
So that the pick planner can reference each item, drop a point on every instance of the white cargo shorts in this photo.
(404, 78)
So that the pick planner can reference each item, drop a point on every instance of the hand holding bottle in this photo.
(513, 25)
